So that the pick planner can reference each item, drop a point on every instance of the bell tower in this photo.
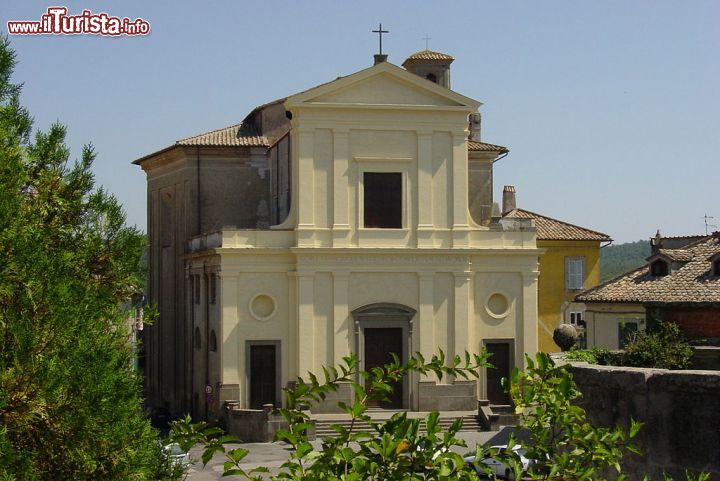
(433, 66)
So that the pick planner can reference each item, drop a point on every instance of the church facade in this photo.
(354, 217)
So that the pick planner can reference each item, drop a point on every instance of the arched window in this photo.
(659, 268)
(197, 342)
(213, 341)
(431, 77)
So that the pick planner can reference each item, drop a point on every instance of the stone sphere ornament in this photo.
(565, 336)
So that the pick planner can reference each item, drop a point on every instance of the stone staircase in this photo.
(471, 422)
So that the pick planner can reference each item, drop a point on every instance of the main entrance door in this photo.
(500, 358)
(263, 375)
(379, 343)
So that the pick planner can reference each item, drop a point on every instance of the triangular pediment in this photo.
(383, 84)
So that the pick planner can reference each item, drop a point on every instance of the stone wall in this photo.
(253, 425)
(680, 411)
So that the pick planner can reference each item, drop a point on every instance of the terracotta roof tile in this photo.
(680, 255)
(429, 55)
(484, 147)
(692, 282)
(232, 136)
(553, 229)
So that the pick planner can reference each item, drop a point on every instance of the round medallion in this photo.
(497, 305)
(262, 307)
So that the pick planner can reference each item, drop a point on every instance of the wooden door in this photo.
(501, 360)
(379, 343)
(263, 375)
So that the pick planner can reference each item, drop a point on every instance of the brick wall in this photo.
(702, 322)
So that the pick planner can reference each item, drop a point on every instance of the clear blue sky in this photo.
(611, 109)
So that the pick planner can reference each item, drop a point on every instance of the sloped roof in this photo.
(693, 282)
(429, 55)
(680, 255)
(474, 146)
(226, 137)
(553, 229)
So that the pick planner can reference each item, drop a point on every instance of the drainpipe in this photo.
(199, 203)
(207, 336)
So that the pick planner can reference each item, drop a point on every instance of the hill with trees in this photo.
(620, 258)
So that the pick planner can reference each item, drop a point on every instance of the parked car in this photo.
(176, 455)
(496, 464)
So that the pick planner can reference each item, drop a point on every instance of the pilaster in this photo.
(462, 313)
(341, 312)
(527, 337)
(341, 188)
(426, 331)
(232, 359)
(424, 190)
(461, 228)
(306, 181)
(306, 321)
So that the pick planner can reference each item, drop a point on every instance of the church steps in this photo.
(323, 426)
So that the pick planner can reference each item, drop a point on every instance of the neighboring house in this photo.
(354, 217)
(680, 283)
(569, 265)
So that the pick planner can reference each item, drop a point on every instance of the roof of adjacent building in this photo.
(691, 281)
(553, 229)
(429, 55)
(474, 146)
(226, 137)
(680, 255)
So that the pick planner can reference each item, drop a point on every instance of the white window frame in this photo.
(574, 280)
(574, 317)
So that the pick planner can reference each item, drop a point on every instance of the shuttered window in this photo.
(574, 273)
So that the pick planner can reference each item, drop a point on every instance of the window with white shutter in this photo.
(574, 273)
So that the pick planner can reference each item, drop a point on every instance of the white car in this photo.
(496, 466)
(176, 455)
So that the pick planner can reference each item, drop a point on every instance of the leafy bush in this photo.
(563, 444)
(583, 355)
(396, 449)
(596, 355)
(663, 347)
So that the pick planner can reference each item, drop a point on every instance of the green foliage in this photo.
(563, 443)
(396, 449)
(620, 258)
(662, 347)
(596, 355)
(70, 405)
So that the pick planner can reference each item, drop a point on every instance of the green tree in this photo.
(70, 405)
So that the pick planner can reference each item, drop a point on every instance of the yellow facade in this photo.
(555, 300)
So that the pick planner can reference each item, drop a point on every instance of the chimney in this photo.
(508, 202)
(656, 243)
(380, 58)
(475, 126)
